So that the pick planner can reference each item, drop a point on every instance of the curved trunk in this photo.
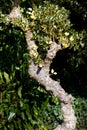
(41, 73)
(52, 86)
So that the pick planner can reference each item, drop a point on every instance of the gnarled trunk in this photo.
(52, 86)
(41, 73)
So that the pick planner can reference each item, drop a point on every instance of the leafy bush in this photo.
(80, 107)
(24, 104)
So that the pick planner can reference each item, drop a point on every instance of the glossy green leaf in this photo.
(6, 76)
(20, 92)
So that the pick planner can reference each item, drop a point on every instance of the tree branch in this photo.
(15, 12)
(51, 53)
(15, 3)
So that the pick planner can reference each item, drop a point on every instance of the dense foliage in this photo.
(23, 100)
(24, 104)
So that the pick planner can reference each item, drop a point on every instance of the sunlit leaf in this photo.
(19, 92)
(6, 76)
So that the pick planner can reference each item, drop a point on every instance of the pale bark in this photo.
(41, 74)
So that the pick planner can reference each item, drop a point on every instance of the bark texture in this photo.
(41, 74)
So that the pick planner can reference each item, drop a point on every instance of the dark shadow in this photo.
(72, 78)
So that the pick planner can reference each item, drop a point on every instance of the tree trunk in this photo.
(51, 85)
(41, 74)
